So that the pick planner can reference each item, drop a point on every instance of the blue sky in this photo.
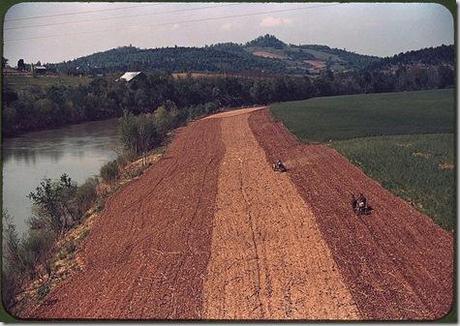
(53, 32)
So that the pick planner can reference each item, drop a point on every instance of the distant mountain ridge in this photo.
(264, 55)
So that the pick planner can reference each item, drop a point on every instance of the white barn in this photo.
(127, 76)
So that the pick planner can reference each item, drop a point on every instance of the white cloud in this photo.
(273, 21)
(175, 26)
(227, 26)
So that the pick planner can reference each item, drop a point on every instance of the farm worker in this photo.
(279, 164)
(362, 201)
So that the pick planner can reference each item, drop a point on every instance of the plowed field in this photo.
(396, 262)
(211, 232)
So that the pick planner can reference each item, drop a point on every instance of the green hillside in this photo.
(264, 55)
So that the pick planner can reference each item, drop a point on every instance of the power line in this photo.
(119, 17)
(80, 12)
(173, 23)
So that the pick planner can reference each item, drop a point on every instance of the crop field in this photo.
(343, 117)
(418, 168)
(403, 140)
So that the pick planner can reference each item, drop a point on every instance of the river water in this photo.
(78, 150)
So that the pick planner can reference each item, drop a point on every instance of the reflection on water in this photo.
(78, 150)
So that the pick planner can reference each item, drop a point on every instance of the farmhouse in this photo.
(40, 70)
(130, 75)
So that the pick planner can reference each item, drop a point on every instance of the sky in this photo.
(54, 32)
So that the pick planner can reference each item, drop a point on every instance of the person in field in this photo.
(279, 166)
(361, 202)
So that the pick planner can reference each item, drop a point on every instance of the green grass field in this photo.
(403, 140)
(18, 83)
(344, 117)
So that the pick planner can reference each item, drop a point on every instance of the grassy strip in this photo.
(344, 117)
(417, 168)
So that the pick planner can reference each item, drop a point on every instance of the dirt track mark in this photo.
(397, 263)
(268, 260)
(147, 254)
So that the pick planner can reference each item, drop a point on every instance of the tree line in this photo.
(46, 107)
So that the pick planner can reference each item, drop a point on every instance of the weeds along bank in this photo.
(63, 211)
(403, 140)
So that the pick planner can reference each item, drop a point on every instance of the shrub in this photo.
(52, 204)
(85, 196)
(100, 204)
(109, 171)
(11, 244)
(211, 107)
(43, 290)
(128, 130)
(36, 249)
(67, 249)
(139, 134)
(168, 117)
(148, 136)
(11, 284)
(12, 267)
(125, 158)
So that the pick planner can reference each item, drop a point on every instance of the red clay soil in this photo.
(396, 262)
(147, 254)
(268, 259)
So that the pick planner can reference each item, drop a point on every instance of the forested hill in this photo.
(441, 55)
(266, 55)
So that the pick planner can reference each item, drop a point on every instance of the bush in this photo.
(211, 107)
(125, 158)
(67, 249)
(52, 203)
(86, 196)
(11, 284)
(109, 171)
(166, 120)
(12, 267)
(43, 290)
(139, 134)
(36, 249)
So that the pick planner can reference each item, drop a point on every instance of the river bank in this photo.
(66, 259)
(78, 150)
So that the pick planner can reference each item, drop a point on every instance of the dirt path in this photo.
(268, 260)
(397, 263)
(146, 257)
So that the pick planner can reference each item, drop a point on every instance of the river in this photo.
(78, 150)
